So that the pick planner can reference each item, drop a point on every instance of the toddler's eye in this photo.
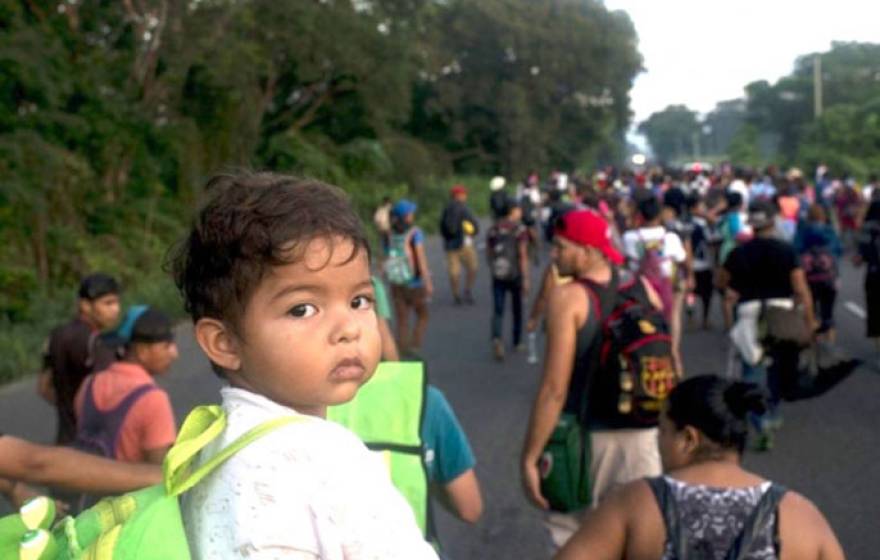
(362, 302)
(303, 310)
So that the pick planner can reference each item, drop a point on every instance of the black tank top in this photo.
(587, 347)
(592, 396)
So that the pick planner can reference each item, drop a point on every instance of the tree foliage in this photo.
(672, 132)
(113, 112)
(850, 74)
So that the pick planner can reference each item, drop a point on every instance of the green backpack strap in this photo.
(201, 427)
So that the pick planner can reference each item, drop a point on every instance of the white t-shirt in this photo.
(672, 251)
(739, 186)
(307, 490)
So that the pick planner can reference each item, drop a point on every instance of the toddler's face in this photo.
(310, 335)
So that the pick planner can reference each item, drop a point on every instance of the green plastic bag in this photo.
(565, 466)
(141, 525)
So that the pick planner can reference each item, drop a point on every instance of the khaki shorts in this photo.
(621, 456)
(456, 258)
(618, 457)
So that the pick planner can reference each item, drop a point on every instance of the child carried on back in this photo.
(276, 275)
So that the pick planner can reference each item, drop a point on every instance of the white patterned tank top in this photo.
(712, 523)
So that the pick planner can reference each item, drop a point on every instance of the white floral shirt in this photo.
(306, 490)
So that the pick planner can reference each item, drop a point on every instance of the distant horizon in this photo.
(689, 61)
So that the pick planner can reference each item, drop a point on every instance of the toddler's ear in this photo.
(218, 343)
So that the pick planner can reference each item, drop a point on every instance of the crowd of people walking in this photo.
(631, 454)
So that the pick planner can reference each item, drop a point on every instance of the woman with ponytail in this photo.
(706, 506)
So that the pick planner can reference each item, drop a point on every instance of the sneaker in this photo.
(498, 349)
(456, 300)
(764, 442)
(469, 298)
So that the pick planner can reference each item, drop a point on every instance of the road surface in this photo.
(827, 448)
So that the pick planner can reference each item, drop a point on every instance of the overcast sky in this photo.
(699, 52)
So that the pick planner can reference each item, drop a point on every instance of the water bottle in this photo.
(533, 348)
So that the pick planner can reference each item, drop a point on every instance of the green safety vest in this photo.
(387, 416)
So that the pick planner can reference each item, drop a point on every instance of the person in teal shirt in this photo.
(448, 457)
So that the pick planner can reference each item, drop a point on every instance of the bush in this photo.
(27, 315)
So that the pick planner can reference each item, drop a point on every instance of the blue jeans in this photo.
(499, 293)
(765, 377)
(777, 374)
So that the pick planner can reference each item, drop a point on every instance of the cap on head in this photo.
(761, 214)
(134, 312)
(497, 183)
(404, 208)
(589, 229)
(458, 190)
(151, 326)
(97, 285)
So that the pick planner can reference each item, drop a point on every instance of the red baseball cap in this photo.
(457, 190)
(588, 228)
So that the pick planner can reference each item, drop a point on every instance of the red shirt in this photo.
(150, 421)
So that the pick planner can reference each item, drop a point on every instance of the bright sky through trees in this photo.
(699, 52)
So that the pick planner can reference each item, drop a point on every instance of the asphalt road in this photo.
(827, 448)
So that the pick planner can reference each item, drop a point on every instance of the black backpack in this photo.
(503, 246)
(819, 265)
(451, 223)
(635, 371)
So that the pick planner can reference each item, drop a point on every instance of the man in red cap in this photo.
(574, 381)
(458, 226)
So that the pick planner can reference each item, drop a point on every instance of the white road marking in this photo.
(856, 309)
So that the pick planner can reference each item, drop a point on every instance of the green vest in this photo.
(387, 415)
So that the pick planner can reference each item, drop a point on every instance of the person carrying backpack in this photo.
(659, 256)
(819, 249)
(406, 270)
(762, 278)
(121, 412)
(706, 506)
(608, 367)
(498, 197)
(459, 226)
(507, 244)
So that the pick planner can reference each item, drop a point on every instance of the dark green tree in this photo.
(672, 133)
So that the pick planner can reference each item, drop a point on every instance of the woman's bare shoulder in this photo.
(804, 531)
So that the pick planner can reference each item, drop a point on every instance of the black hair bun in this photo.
(742, 398)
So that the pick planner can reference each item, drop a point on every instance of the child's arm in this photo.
(455, 481)
(462, 496)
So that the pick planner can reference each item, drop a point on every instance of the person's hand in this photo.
(532, 324)
(525, 288)
(531, 480)
(691, 283)
(21, 492)
(61, 509)
(429, 289)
